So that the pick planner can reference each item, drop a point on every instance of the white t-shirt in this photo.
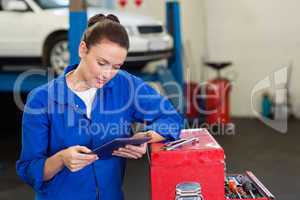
(87, 97)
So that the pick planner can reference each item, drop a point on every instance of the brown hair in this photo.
(105, 27)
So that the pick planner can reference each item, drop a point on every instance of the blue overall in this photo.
(55, 119)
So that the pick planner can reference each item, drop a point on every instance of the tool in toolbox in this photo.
(233, 188)
(188, 191)
(259, 185)
(248, 186)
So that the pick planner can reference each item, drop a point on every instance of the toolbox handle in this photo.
(260, 185)
(176, 144)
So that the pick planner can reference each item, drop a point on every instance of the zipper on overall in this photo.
(96, 181)
(93, 164)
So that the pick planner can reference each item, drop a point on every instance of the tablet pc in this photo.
(105, 151)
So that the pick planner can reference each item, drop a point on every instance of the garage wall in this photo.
(258, 36)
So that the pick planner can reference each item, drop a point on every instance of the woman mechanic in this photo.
(88, 105)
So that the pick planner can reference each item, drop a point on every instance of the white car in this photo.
(38, 29)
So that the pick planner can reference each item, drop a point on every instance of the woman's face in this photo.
(101, 62)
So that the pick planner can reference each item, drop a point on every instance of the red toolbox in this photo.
(199, 164)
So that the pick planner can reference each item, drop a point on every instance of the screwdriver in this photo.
(233, 187)
(247, 186)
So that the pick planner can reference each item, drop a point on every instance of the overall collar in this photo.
(61, 93)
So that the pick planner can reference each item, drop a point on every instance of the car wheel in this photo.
(57, 53)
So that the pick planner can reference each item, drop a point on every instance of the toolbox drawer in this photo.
(259, 192)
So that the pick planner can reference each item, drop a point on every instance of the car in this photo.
(38, 29)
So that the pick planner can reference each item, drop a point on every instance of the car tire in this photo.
(56, 53)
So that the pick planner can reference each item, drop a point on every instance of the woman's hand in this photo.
(76, 157)
(131, 151)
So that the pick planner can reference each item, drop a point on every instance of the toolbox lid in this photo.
(205, 150)
(205, 141)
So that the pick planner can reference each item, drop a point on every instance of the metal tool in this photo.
(259, 185)
(178, 143)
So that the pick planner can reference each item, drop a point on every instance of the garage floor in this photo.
(272, 156)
